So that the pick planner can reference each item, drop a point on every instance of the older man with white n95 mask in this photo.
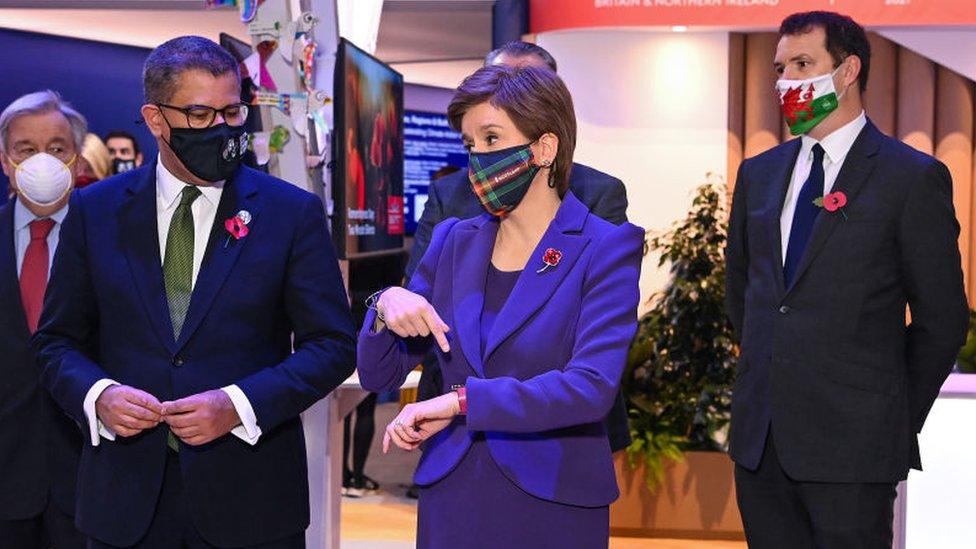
(40, 140)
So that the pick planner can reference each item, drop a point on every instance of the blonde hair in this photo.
(97, 155)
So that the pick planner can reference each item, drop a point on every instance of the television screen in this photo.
(430, 149)
(368, 178)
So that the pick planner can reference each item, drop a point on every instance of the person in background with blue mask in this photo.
(41, 137)
(530, 308)
(831, 236)
(195, 309)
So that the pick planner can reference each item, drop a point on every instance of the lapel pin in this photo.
(237, 226)
(833, 202)
(551, 258)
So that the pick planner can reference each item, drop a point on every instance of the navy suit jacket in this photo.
(106, 316)
(829, 361)
(553, 360)
(39, 444)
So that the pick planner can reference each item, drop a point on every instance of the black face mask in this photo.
(212, 154)
(121, 166)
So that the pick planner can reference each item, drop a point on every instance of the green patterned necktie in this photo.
(178, 263)
(178, 269)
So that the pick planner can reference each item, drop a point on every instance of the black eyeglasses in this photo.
(202, 116)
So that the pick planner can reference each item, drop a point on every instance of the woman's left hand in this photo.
(419, 421)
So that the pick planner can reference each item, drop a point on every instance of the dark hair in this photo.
(521, 49)
(535, 99)
(124, 135)
(165, 64)
(844, 37)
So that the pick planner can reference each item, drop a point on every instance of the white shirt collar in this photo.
(169, 187)
(839, 142)
(23, 217)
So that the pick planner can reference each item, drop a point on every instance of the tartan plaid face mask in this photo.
(501, 178)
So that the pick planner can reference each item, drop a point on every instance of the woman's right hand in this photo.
(409, 315)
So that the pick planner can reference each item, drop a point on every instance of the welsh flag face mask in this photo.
(807, 102)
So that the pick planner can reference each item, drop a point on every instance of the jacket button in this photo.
(784, 310)
(177, 361)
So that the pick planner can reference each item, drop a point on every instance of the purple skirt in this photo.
(476, 506)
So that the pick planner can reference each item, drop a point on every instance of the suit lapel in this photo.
(8, 263)
(140, 244)
(533, 288)
(858, 165)
(473, 246)
(218, 261)
(781, 176)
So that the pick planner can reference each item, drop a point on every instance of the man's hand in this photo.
(201, 418)
(128, 411)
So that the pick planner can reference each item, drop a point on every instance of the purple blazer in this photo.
(553, 360)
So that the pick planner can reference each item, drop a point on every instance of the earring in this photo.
(546, 163)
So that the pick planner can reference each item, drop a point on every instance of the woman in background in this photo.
(531, 308)
(95, 163)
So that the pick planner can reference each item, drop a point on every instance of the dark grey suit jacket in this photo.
(829, 361)
(452, 196)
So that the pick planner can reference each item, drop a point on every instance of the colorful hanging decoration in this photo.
(279, 136)
(282, 101)
(264, 50)
(260, 144)
(249, 8)
(306, 65)
(264, 29)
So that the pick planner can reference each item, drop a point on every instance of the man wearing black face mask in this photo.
(124, 151)
(178, 294)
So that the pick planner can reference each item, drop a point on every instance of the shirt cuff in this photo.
(95, 425)
(248, 430)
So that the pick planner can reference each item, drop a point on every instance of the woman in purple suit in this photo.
(532, 307)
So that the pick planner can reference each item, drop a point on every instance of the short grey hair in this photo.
(39, 103)
(165, 64)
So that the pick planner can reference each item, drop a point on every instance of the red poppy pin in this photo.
(833, 202)
(237, 226)
(551, 258)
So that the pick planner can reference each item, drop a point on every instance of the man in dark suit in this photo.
(831, 236)
(178, 293)
(452, 196)
(41, 136)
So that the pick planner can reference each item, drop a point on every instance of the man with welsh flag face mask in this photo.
(831, 236)
(40, 140)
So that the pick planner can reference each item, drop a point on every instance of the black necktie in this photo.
(804, 216)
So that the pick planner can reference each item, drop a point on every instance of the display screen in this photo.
(430, 147)
(368, 177)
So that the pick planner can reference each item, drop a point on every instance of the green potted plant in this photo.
(677, 482)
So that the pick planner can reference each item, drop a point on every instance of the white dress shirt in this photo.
(22, 220)
(204, 208)
(835, 146)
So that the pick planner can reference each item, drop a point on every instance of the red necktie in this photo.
(33, 272)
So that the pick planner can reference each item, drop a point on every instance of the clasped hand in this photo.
(196, 419)
(419, 421)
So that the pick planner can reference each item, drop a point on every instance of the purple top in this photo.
(498, 285)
